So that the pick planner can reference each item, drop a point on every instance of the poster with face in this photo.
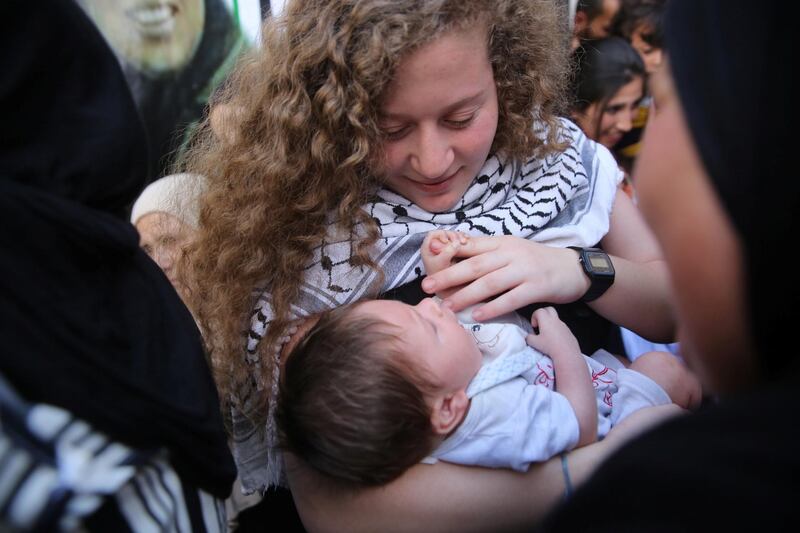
(174, 53)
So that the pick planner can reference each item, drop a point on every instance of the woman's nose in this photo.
(433, 154)
(163, 257)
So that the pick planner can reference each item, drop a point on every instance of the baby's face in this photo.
(433, 339)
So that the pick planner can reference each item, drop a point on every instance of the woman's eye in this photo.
(459, 123)
(394, 134)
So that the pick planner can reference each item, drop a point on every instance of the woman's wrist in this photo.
(584, 283)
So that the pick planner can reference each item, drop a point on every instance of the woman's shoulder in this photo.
(596, 159)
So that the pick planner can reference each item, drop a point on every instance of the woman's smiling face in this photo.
(606, 124)
(439, 120)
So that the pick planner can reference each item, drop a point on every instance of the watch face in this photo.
(600, 263)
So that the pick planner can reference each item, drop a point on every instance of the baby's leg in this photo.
(672, 375)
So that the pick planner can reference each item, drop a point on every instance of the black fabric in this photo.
(69, 123)
(88, 322)
(277, 507)
(731, 64)
(108, 518)
(732, 467)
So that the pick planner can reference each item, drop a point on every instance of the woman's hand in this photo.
(519, 272)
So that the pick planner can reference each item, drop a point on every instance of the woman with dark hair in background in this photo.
(717, 188)
(640, 23)
(607, 85)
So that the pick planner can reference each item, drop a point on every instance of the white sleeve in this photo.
(512, 425)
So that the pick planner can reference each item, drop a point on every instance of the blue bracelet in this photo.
(567, 480)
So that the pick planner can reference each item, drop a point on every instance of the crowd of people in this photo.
(392, 275)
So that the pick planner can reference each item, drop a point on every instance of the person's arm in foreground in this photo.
(448, 497)
(572, 375)
(522, 272)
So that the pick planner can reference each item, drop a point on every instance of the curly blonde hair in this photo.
(301, 140)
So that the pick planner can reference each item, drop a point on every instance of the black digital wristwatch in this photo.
(598, 267)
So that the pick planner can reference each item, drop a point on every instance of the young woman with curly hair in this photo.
(357, 127)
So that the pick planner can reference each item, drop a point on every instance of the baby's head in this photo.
(374, 387)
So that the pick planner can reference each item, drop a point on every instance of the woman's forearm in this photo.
(640, 299)
(441, 497)
(448, 497)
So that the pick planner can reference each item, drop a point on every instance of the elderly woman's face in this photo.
(699, 244)
(162, 236)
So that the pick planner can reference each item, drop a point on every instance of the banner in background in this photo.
(174, 53)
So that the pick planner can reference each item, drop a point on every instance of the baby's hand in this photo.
(439, 248)
(554, 337)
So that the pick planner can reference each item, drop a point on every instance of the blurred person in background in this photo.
(607, 86)
(720, 196)
(591, 19)
(165, 214)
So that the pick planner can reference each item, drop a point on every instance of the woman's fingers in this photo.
(464, 271)
(479, 245)
(516, 271)
(507, 302)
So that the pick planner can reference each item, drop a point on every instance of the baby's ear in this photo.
(448, 412)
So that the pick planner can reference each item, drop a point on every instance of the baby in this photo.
(380, 385)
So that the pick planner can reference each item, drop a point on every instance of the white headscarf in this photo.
(176, 195)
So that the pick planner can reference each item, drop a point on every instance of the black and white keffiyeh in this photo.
(564, 199)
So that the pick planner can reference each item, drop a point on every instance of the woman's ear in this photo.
(448, 412)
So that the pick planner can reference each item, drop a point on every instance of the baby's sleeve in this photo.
(519, 424)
